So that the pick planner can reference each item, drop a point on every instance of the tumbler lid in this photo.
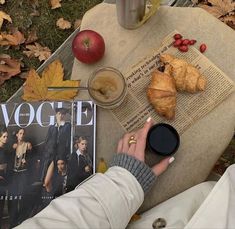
(163, 139)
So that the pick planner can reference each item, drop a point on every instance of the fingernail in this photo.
(171, 160)
(149, 119)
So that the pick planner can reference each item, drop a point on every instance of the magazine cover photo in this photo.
(46, 150)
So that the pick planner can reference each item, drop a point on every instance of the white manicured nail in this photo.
(149, 119)
(171, 160)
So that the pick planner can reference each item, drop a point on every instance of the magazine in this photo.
(46, 150)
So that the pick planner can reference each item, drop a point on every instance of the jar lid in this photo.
(163, 139)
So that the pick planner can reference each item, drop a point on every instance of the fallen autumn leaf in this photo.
(8, 68)
(14, 39)
(36, 50)
(63, 24)
(55, 4)
(36, 87)
(219, 8)
(3, 16)
(32, 37)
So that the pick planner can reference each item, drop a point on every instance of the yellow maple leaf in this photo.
(3, 16)
(102, 166)
(36, 87)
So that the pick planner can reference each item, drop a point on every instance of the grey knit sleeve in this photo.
(139, 169)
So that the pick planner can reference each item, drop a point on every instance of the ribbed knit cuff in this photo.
(139, 169)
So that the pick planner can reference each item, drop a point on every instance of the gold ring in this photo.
(132, 140)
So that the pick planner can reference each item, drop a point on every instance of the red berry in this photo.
(192, 42)
(185, 42)
(177, 43)
(177, 36)
(183, 48)
(202, 48)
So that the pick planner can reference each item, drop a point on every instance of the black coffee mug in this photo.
(163, 139)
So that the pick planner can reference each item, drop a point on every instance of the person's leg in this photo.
(13, 192)
(48, 178)
(13, 212)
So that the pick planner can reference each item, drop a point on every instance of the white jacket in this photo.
(109, 200)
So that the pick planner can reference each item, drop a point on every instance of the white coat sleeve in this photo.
(218, 209)
(103, 201)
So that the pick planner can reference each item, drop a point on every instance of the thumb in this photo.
(162, 165)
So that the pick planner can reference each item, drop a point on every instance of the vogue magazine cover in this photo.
(46, 150)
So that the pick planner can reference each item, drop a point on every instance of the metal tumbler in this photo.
(130, 12)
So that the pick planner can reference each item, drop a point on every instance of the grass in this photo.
(44, 25)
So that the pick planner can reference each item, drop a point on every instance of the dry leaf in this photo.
(77, 23)
(32, 37)
(63, 24)
(3, 16)
(14, 39)
(228, 18)
(36, 50)
(215, 11)
(225, 5)
(5, 55)
(36, 87)
(55, 4)
(135, 217)
(231, 24)
(195, 2)
(219, 8)
(23, 75)
(8, 68)
(2, 2)
(102, 166)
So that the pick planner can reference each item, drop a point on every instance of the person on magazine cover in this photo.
(59, 181)
(3, 168)
(20, 180)
(55, 182)
(57, 144)
(80, 165)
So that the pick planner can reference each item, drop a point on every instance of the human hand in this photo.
(137, 148)
(14, 146)
(87, 168)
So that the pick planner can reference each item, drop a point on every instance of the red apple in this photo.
(88, 46)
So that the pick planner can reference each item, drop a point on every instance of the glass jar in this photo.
(107, 87)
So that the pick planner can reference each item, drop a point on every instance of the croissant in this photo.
(162, 94)
(187, 77)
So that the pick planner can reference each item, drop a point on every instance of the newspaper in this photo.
(190, 107)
